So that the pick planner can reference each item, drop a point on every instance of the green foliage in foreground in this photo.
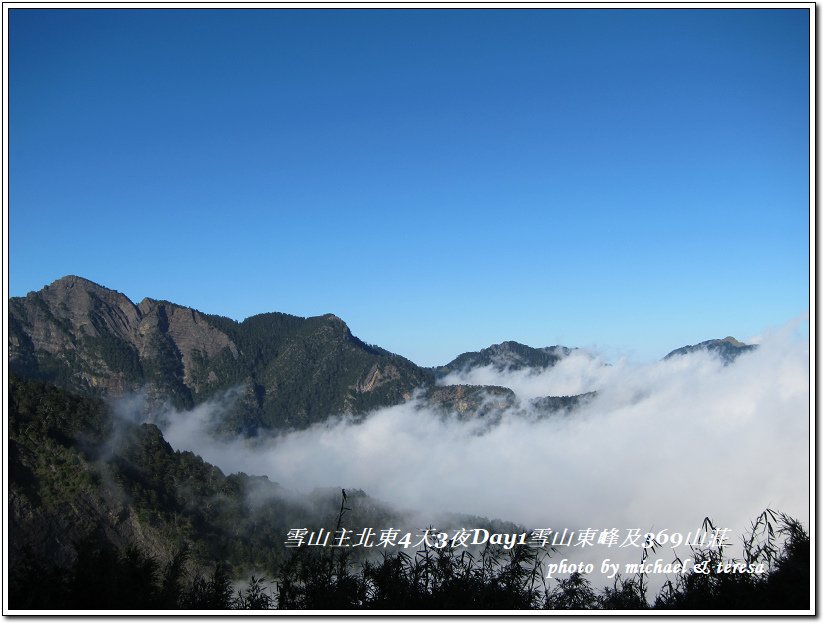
(103, 578)
(493, 579)
(500, 579)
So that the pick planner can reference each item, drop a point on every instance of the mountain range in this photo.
(289, 371)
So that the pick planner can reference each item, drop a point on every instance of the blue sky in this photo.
(629, 180)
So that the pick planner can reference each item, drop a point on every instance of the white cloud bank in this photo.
(661, 446)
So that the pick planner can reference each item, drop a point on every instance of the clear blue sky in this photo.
(440, 179)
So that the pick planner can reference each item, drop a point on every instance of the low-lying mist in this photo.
(660, 446)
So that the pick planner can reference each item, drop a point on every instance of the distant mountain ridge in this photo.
(285, 372)
(508, 355)
(728, 349)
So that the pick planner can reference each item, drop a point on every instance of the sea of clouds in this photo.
(661, 445)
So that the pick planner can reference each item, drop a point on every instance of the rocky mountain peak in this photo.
(70, 281)
(732, 341)
(728, 349)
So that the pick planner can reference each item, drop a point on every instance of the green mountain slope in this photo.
(79, 474)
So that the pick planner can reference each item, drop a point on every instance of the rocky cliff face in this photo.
(470, 401)
(76, 333)
(93, 340)
(188, 330)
